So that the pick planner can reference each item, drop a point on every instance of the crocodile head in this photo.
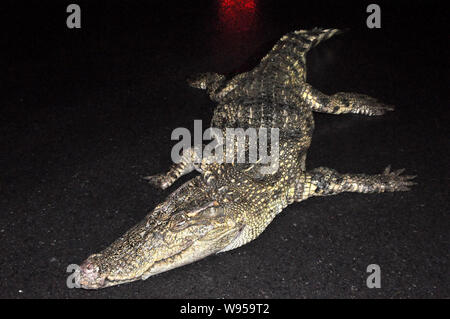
(167, 238)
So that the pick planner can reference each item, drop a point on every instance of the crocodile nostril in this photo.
(87, 267)
(89, 276)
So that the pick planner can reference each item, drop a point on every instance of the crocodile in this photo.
(230, 204)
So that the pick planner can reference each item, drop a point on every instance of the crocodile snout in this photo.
(90, 277)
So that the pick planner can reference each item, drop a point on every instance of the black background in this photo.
(86, 112)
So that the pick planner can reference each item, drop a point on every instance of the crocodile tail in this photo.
(307, 39)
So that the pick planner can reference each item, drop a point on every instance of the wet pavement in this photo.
(85, 113)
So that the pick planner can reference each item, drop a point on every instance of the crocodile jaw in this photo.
(146, 250)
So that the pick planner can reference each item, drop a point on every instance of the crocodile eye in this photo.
(178, 221)
(215, 212)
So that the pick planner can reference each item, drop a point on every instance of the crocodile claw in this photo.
(158, 180)
(393, 180)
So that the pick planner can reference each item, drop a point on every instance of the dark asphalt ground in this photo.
(85, 113)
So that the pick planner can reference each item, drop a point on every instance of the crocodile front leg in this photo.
(183, 167)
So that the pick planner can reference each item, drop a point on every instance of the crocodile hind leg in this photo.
(342, 102)
(325, 181)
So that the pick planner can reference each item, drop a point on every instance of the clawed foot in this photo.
(158, 180)
(364, 104)
(371, 106)
(393, 181)
(377, 109)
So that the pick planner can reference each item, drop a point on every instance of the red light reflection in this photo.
(238, 29)
(237, 15)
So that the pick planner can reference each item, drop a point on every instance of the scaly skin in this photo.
(229, 205)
